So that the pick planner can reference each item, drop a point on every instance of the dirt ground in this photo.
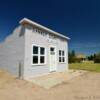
(84, 87)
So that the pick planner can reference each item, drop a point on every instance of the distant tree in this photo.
(69, 57)
(69, 54)
(73, 53)
(94, 56)
(72, 56)
(91, 57)
(97, 58)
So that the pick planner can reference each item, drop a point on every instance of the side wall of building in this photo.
(62, 45)
(12, 51)
(45, 40)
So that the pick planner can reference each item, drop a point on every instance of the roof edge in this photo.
(43, 27)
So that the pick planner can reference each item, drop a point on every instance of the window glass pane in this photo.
(51, 49)
(42, 59)
(63, 53)
(59, 52)
(59, 59)
(52, 53)
(42, 50)
(35, 59)
(63, 59)
(35, 50)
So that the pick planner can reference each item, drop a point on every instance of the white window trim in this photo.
(45, 55)
(62, 56)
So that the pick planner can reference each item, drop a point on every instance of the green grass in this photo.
(89, 66)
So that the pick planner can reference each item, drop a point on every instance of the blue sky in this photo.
(78, 19)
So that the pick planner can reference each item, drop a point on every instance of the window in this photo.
(61, 56)
(38, 55)
(52, 51)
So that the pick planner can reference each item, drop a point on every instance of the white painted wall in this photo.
(12, 51)
(34, 38)
(17, 48)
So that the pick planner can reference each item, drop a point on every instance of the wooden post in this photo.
(20, 71)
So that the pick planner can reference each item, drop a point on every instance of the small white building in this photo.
(33, 50)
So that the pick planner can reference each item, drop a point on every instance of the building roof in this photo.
(80, 56)
(28, 21)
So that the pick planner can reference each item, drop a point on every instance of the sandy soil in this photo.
(85, 87)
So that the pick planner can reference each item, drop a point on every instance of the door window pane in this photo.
(51, 49)
(52, 53)
(35, 50)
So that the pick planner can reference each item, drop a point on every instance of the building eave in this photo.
(26, 20)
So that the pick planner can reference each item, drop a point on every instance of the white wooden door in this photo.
(52, 59)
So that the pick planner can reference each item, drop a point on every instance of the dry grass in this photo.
(89, 66)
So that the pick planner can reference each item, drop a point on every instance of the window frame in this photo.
(62, 56)
(39, 55)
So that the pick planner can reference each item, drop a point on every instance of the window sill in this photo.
(62, 62)
(38, 64)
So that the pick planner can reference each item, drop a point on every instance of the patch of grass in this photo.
(88, 65)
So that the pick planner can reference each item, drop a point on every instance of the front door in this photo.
(52, 59)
